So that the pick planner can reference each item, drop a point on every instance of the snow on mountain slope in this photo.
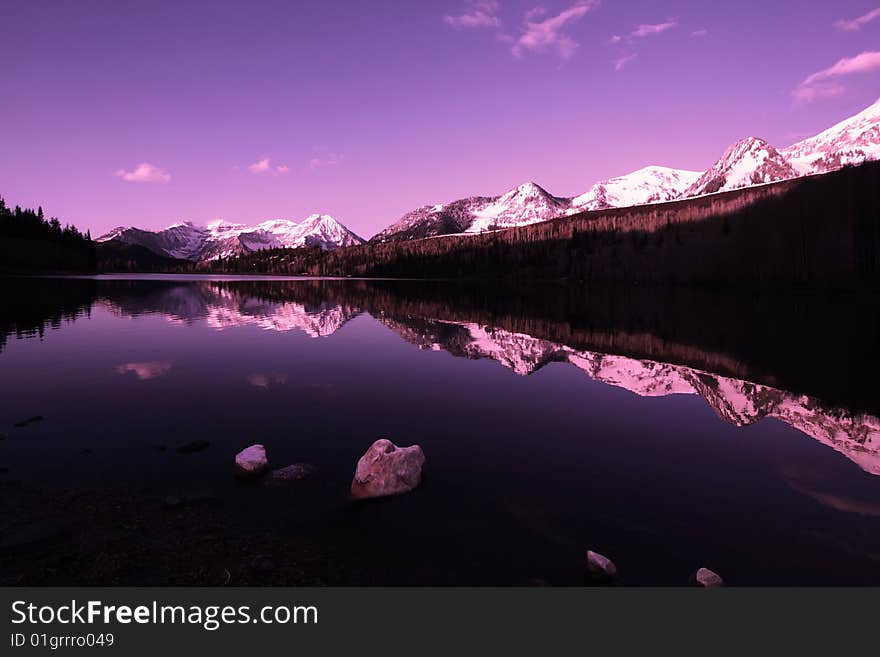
(182, 240)
(652, 184)
(224, 239)
(851, 141)
(526, 204)
(750, 161)
(434, 220)
(315, 230)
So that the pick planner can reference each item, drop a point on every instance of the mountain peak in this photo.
(749, 161)
(319, 219)
(650, 184)
(531, 188)
(181, 224)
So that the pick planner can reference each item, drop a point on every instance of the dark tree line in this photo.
(31, 242)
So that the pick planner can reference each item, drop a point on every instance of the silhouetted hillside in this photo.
(114, 256)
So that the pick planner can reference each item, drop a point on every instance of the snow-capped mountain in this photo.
(851, 141)
(433, 220)
(526, 204)
(651, 184)
(750, 161)
(221, 239)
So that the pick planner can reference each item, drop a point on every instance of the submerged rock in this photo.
(293, 472)
(386, 469)
(707, 578)
(251, 462)
(600, 565)
(172, 502)
(262, 565)
(192, 446)
(30, 420)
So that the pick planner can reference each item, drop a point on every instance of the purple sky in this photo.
(256, 110)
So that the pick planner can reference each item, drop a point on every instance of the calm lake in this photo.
(666, 430)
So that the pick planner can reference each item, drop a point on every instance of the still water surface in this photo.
(666, 433)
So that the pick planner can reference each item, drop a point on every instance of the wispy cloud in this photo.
(857, 23)
(266, 167)
(144, 172)
(699, 33)
(535, 12)
(650, 29)
(825, 84)
(620, 63)
(818, 92)
(147, 370)
(479, 13)
(331, 160)
(640, 32)
(548, 36)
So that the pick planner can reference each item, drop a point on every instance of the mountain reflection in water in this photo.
(667, 429)
(646, 343)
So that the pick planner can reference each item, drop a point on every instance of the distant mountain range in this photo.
(220, 239)
(748, 162)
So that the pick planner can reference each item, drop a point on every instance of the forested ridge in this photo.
(29, 242)
(814, 231)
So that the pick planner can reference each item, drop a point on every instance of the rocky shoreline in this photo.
(146, 538)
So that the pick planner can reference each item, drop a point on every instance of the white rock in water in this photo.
(600, 565)
(386, 469)
(708, 578)
(251, 461)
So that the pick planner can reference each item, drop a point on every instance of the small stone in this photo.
(251, 462)
(386, 469)
(600, 565)
(2, 436)
(86, 451)
(192, 446)
(707, 578)
(293, 472)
